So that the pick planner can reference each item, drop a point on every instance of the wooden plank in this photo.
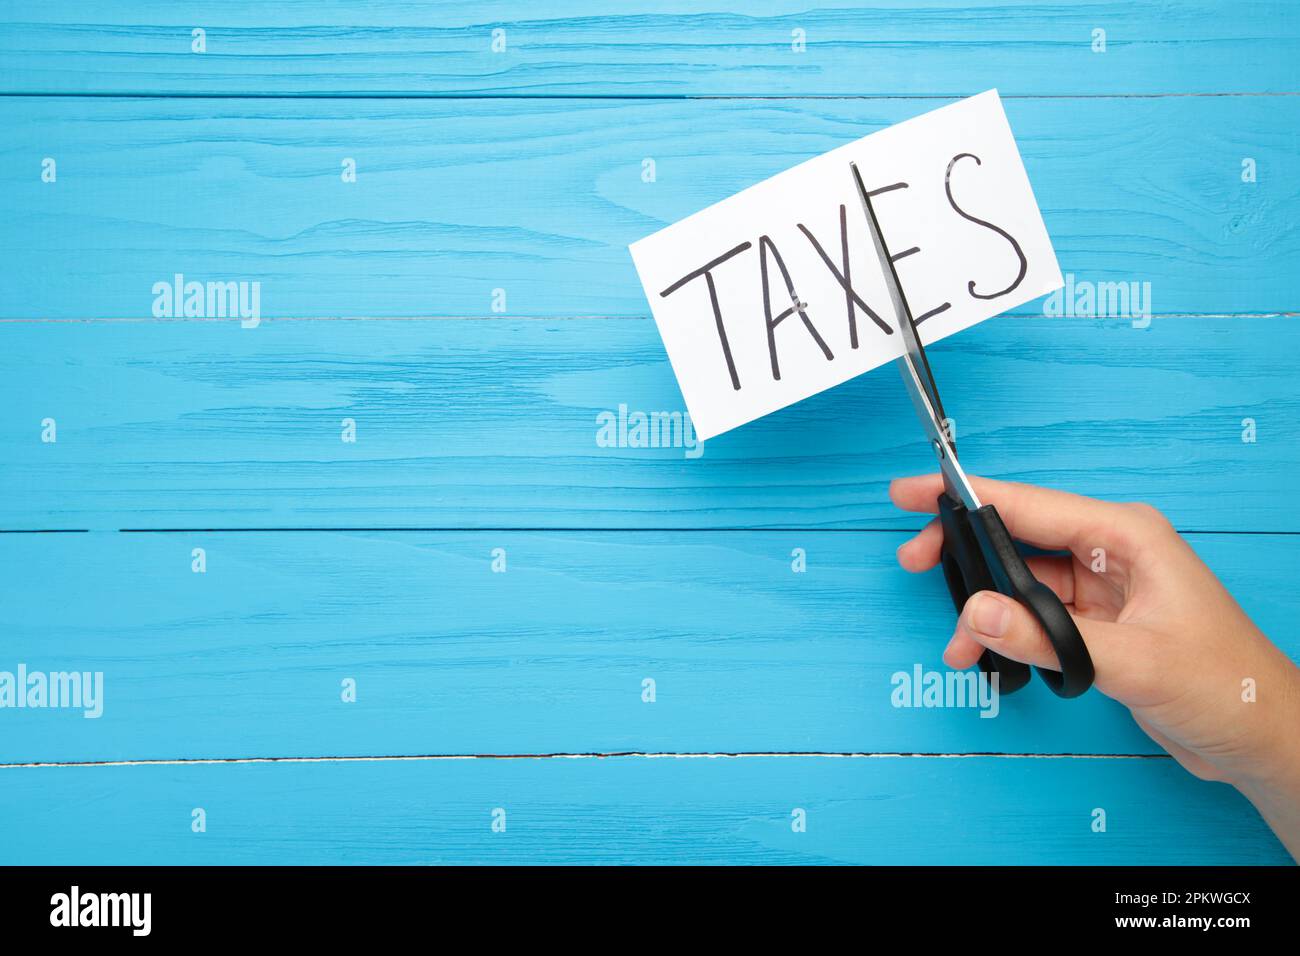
(448, 657)
(649, 47)
(633, 810)
(486, 424)
(456, 199)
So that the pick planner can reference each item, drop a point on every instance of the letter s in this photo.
(1024, 263)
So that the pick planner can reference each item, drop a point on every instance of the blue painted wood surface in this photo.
(225, 165)
(634, 810)
(493, 423)
(457, 198)
(248, 659)
(650, 47)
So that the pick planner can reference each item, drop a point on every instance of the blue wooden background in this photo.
(520, 170)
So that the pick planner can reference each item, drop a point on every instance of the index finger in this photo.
(1042, 517)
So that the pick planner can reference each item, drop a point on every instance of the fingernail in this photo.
(988, 616)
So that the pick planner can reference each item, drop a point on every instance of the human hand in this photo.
(1167, 639)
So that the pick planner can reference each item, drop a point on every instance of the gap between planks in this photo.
(545, 530)
(647, 97)
(1035, 316)
(598, 755)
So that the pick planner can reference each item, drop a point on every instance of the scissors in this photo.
(978, 553)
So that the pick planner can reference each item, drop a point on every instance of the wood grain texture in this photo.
(521, 171)
(248, 659)
(455, 199)
(485, 424)
(633, 810)
(650, 47)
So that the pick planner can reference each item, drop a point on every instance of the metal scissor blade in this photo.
(955, 482)
(902, 311)
(913, 364)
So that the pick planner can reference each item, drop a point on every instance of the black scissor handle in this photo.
(978, 555)
(966, 572)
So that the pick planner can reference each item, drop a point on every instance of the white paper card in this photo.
(958, 215)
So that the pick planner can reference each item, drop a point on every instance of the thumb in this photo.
(1007, 627)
